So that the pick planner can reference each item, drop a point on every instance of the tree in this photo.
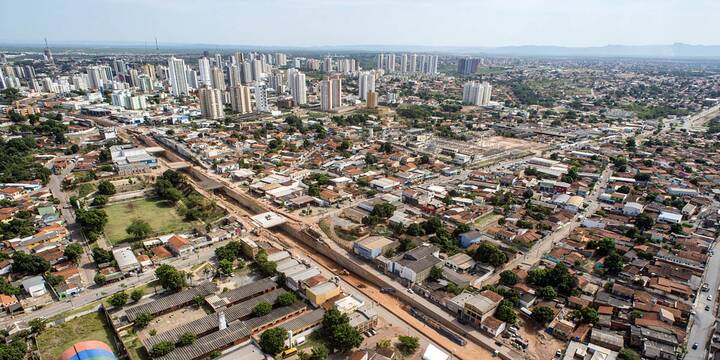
(137, 294)
(37, 325)
(8, 289)
(100, 279)
(436, 273)
(29, 264)
(119, 299)
(171, 278)
(101, 256)
(415, 229)
(586, 315)
(505, 312)
(547, 292)
(386, 147)
(262, 308)
(508, 278)
(543, 314)
(370, 159)
(185, 339)
(628, 354)
(225, 267)
(338, 332)
(644, 222)
(490, 254)
(100, 200)
(16, 350)
(613, 264)
(105, 155)
(73, 252)
(106, 188)
(161, 349)
(92, 221)
(138, 229)
(384, 210)
(272, 341)
(286, 299)
(408, 345)
(142, 320)
(319, 352)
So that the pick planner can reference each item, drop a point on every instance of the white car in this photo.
(709, 298)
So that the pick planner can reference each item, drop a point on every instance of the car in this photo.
(387, 290)
(709, 298)
(410, 291)
(558, 353)
(707, 307)
(695, 346)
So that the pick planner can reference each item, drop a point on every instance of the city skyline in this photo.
(297, 23)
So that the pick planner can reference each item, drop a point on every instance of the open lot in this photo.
(161, 215)
(53, 341)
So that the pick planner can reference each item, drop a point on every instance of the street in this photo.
(703, 322)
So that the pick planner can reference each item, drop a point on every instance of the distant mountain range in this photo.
(677, 50)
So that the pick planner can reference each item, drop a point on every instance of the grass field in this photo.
(53, 341)
(162, 217)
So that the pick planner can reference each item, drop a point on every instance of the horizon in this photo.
(328, 23)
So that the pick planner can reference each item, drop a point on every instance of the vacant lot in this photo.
(162, 217)
(53, 341)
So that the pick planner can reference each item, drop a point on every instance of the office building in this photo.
(240, 99)
(178, 77)
(476, 93)
(211, 103)
(366, 83)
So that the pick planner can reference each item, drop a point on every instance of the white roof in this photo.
(432, 352)
(268, 219)
(125, 257)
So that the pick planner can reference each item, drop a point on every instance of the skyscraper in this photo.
(476, 93)
(372, 100)
(235, 75)
(366, 83)
(404, 63)
(178, 77)
(204, 69)
(390, 63)
(467, 66)
(380, 61)
(217, 78)
(413, 63)
(330, 94)
(211, 105)
(240, 99)
(261, 98)
(296, 84)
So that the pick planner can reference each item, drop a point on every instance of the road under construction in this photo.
(303, 239)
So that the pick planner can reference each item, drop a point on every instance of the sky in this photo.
(475, 23)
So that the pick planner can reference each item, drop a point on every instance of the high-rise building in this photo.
(246, 71)
(413, 63)
(145, 83)
(178, 77)
(330, 94)
(390, 63)
(257, 69)
(366, 83)
(218, 60)
(211, 104)
(372, 100)
(261, 97)
(280, 59)
(134, 81)
(380, 61)
(217, 78)
(296, 84)
(119, 66)
(240, 99)
(149, 70)
(476, 93)
(204, 70)
(327, 65)
(235, 75)
(468, 66)
(94, 77)
(404, 63)
(192, 79)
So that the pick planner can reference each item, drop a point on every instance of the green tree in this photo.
(337, 331)
(587, 315)
(436, 273)
(286, 299)
(319, 352)
(37, 325)
(644, 222)
(73, 252)
(508, 278)
(161, 349)
(225, 267)
(119, 299)
(29, 264)
(106, 188)
(100, 200)
(490, 254)
(101, 256)
(137, 294)
(171, 278)
(408, 345)
(272, 341)
(505, 312)
(543, 314)
(138, 229)
(16, 350)
(142, 320)
(628, 354)
(100, 279)
(262, 308)
(548, 292)
(187, 338)
(613, 263)
(92, 221)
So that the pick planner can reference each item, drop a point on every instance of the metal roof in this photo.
(170, 301)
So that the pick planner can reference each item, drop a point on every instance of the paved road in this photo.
(704, 321)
